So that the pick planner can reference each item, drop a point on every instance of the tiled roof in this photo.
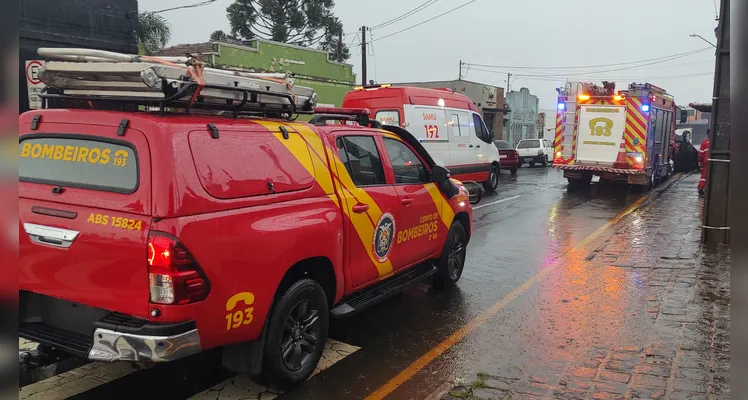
(183, 49)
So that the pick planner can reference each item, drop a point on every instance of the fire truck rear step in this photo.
(382, 290)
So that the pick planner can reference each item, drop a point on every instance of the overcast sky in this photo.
(527, 37)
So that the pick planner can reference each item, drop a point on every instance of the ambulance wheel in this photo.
(296, 336)
(452, 261)
(493, 179)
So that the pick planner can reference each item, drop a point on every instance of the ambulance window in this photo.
(480, 129)
(407, 166)
(361, 159)
(388, 117)
(454, 121)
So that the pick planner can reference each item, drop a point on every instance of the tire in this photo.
(545, 162)
(292, 371)
(452, 260)
(493, 179)
(532, 165)
(513, 170)
(578, 183)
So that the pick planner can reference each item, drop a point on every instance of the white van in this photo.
(448, 124)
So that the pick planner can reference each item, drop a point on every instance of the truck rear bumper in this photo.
(111, 345)
(103, 335)
(599, 169)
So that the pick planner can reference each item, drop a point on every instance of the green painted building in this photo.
(310, 67)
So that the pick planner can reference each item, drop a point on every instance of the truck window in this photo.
(361, 159)
(407, 166)
(388, 117)
(81, 163)
(480, 129)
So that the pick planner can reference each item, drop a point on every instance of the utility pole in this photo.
(460, 75)
(363, 56)
(508, 77)
(716, 227)
(339, 58)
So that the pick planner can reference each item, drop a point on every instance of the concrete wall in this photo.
(312, 68)
(522, 121)
(488, 99)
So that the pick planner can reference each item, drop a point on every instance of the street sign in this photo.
(34, 84)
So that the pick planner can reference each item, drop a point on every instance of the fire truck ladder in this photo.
(174, 82)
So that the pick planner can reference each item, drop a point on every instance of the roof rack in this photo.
(179, 82)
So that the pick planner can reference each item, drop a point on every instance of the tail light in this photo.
(174, 275)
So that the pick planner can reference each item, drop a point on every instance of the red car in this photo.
(152, 236)
(509, 158)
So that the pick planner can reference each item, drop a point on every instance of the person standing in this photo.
(704, 161)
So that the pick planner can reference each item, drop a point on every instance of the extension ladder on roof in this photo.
(182, 82)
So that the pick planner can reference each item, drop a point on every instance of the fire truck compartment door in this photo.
(599, 133)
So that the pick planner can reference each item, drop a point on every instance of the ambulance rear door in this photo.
(599, 133)
(429, 126)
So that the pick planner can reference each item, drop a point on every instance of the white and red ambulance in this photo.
(448, 125)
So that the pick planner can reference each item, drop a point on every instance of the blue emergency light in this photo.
(561, 106)
(645, 107)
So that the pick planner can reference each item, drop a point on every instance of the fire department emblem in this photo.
(383, 235)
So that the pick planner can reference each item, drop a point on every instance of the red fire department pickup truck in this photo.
(152, 236)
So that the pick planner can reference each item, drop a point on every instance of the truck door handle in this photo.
(359, 208)
(406, 201)
(470, 146)
(477, 145)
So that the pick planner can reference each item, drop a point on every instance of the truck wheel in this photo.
(452, 261)
(298, 328)
(493, 179)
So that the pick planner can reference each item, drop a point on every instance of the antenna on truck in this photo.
(176, 82)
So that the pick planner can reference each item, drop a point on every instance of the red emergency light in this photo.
(341, 111)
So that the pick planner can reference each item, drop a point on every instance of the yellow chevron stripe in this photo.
(361, 222)
(445, 210)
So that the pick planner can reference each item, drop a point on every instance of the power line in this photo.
(195, 5)
(406, 15)
(687, 53)
(597, 71)
(664, 77)
(428, 20)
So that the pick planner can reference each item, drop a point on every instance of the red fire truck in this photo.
(620, 135)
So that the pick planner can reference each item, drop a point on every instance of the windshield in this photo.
(503, 145)
(528, 144)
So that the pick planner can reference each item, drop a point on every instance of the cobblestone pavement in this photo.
(644, 315)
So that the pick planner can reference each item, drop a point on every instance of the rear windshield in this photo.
(75, 162)
(503, 145)
(528, 144)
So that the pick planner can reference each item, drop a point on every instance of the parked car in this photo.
(153, 236)
(508, 155)
(448, 125)
(535, 151)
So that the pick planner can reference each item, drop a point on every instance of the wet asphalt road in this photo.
(531, 224)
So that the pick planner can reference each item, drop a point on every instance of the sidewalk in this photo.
(643, 314)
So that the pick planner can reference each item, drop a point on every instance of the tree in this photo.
(218, 36)
(300, 22)
(153, 32)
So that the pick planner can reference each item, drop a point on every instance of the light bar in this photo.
(584, 97)
(341, 111)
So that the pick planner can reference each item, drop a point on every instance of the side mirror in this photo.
(439, 174)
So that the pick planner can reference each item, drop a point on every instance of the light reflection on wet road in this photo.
(574, 332)
(511, 242)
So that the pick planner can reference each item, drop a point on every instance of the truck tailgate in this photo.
(97, 258)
